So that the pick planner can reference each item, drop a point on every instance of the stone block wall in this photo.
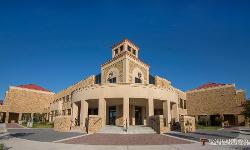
(20, 100)
(161, 82)
(187, 124)
(157, 123)
(62, 123)
(94, 123)
(62, 100)
(221, 100)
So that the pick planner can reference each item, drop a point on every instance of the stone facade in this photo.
(114, 66)
(94, 123)
(221, 100)
(62, 123)
(161, 82)
(141, 68)
(123, 95)
(62, 101)
(158, 124)
(27, 101)
(19, 101)
(187, 124)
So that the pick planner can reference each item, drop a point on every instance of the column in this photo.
(20, 117)
(102, 110)
(150, 109)
(32, 117)
(7, 117)
(166, 112)
(74, 113)
(196, 119)
(125, 111)
(84, 113)
(133, 115)
(175, 112)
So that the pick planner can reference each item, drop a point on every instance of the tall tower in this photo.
(124, 45)
(125, 66)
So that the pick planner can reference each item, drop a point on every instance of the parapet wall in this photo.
(161, 82)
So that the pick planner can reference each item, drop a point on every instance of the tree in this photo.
(246, 111)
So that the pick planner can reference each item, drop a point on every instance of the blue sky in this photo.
(55, 44)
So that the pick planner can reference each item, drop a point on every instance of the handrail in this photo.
(97, 121)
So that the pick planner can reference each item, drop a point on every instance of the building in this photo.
(23, 102)
(214, 101)
(123, 94)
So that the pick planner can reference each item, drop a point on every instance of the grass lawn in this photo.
(42, 125)
(208, 128)
(1, 146)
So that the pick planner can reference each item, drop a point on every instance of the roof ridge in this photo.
(33, 87)
(208, 85)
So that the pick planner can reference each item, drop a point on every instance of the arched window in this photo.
(111, 78)
(137, 76)
(138, 79)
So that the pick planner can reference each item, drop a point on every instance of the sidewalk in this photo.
(22, 144)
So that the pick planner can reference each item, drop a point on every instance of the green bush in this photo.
(203, 120)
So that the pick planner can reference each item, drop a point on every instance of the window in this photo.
(185, 105)
(63, 99)
(129, 48)
(56, 113)
(112, 80)
(134, 52)
(67, 98)
(116, 51)
(181, 103)
(121, 48)
(137, 80)
(63, 112)
(69, 111)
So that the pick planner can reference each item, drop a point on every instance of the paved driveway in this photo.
(42, 135)
(126, 139)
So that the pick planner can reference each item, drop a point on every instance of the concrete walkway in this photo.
(22, 144)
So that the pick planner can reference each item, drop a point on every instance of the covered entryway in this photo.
(138, 115)
(137, 111)
(13, 117)
(114, 111)
(111, 115)
(215, 120)
(230, 118)
(2, 117)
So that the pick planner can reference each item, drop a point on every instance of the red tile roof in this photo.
(208, 85)
(33, 87)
